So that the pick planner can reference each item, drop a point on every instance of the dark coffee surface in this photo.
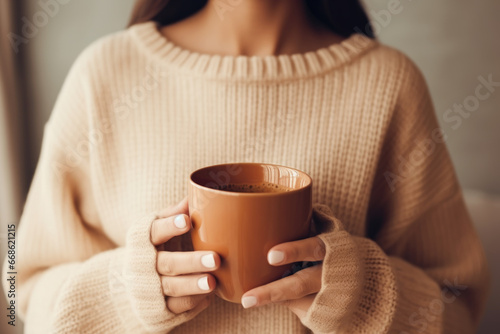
(254, 188)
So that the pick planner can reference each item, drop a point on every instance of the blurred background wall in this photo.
(454, 42)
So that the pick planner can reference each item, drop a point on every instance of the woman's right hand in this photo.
(184, 275)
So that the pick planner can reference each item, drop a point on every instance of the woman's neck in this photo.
(250, 27)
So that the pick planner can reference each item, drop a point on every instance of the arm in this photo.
(71, 277)
(421, 268)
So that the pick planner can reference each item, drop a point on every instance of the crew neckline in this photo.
(272, 67)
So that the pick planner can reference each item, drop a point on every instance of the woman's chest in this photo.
(155, 148)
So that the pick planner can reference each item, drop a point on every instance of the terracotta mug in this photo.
(241, 211)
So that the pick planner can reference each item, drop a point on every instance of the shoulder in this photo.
(97, 75)
(109, 68)
(406, 88)
(397, 65)
(108, 52)
(392, 73)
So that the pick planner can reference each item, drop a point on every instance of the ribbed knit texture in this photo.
(137, 114)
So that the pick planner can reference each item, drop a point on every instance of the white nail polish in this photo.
(180, 221)
(203, 283)
(274, 257)
(248, 301)
(208, 260)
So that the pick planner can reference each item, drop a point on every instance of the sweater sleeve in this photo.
(71, 277)
(420, 268)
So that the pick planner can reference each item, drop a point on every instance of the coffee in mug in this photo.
(253, 188)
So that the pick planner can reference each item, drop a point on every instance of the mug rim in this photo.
(234, 193)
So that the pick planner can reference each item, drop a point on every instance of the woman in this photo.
(296, 83)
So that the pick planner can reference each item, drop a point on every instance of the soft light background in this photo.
(453, 42)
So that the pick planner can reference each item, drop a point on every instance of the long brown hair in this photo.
(344, 17)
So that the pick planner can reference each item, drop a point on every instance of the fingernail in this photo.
(275, 257)
(203, 283)
(248, 301)
(180, 221)
(208, 260)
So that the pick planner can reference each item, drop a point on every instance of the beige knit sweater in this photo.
(137, 114)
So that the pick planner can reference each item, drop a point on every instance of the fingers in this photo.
(165, 229)
(178, 263)
(181, 207)
(195, 303)
(298, 285)
(178, 286)
(309, 249)
(186, 293)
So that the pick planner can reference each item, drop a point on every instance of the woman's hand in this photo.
(184, 276)
(296, 291)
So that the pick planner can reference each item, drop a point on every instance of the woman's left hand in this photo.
(296, 291)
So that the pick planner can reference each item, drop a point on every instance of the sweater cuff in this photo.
(117, 291)
(342, 275)
(357, 281)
